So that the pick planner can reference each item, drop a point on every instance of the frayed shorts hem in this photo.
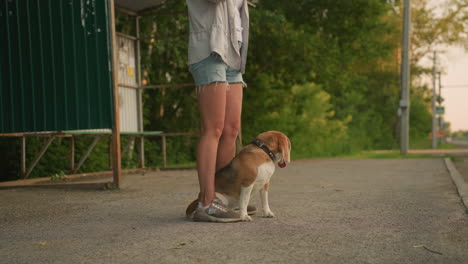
(244, 85)
(213, 70)
(200, 88)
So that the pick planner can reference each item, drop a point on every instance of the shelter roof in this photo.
(138, 5)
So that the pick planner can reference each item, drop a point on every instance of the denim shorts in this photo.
(213, 69)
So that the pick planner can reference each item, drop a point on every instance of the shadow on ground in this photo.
(328, 211)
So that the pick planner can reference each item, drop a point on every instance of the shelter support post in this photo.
(142, 152)
(23, 156)
(72, 153)
(139, 93)
(109, 146)
(164, 151)
(116, 157)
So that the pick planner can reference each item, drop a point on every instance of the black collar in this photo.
(257, 142)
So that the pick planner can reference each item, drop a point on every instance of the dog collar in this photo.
(257, 142)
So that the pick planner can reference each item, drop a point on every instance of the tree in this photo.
(432, 28)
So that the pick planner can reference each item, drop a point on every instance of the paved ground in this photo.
(462, 167)
(456, 152)
(328, 211)
(461, 162)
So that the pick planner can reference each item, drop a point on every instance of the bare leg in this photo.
(232, 121)
(212, 106)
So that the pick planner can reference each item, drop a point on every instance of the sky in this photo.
(454, 67)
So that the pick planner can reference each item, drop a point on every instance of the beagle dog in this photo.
(250, 172)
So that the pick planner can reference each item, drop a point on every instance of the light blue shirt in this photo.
(213, 29)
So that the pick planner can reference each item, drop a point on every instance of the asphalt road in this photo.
(327, 211)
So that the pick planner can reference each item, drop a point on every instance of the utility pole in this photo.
(405, 81)
(440, 101)
(440, 88)
(434, 94)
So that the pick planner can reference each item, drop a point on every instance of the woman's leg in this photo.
(232, 121)
(212, 106)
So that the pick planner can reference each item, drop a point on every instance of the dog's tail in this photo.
(191, 208)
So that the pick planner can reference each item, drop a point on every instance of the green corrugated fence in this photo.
(55, 65)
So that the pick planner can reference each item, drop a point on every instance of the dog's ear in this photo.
(285, 148)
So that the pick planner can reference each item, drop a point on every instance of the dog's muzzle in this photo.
(282, 164)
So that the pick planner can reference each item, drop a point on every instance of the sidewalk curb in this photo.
(462, 186)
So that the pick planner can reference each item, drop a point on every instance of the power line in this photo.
(455, 86)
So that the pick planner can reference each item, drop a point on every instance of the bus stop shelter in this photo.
(66, 72)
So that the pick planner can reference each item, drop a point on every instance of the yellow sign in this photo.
(130, 71)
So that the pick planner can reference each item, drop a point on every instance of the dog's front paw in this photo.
(268, 214)
(245, 218)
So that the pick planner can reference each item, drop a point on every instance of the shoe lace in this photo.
(219, 206)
